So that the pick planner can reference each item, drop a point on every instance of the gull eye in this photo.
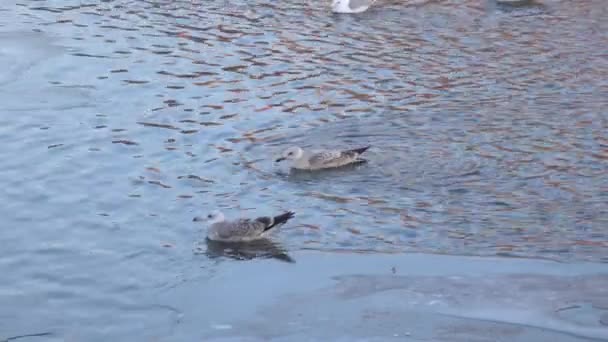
(209, 216)
(290, 153)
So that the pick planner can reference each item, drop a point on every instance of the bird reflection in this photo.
(294, 175)
(262, 248)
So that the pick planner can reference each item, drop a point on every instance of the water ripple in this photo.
(125, 118)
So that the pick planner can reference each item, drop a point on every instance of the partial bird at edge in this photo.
(351, 6)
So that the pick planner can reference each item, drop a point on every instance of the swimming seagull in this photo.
(317, 160)
(351, 6)
(242, 229)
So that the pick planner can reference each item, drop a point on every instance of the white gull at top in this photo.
(351, 6)
(321, 159)
(242, 229)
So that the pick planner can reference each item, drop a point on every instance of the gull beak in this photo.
(197, 219)
(279, 159)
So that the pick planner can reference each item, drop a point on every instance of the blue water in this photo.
(122, 120)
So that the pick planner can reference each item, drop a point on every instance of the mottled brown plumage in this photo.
(316, 160)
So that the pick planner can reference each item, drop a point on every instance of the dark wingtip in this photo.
(280, 219)
(360, 150)
(284, 217)
(289, 215)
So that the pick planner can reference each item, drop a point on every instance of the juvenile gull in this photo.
(242, 229)
(317, 160)
(350, 6)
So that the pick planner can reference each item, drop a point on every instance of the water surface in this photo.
(121, 120)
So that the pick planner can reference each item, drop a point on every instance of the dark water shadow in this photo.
(263, 248)
(517, 5)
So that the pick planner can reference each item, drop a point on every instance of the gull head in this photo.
(213, 217)
(291, 153)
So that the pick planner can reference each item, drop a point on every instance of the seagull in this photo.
(242, 229)
(351, 6)
(321, 159)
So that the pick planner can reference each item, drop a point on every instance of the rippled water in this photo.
(121, 120)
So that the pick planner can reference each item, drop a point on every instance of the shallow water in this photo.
(121, 120)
